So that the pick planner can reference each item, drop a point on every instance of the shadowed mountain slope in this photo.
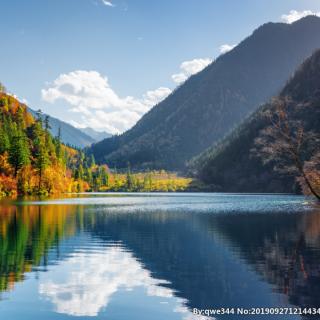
(230, 165)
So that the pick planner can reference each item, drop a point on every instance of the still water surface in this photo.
(157, 256)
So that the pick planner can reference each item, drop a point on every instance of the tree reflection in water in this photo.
(201, 260)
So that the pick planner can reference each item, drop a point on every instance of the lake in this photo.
(158, 256)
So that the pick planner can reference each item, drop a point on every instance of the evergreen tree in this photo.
(92, 161)
(39, 116)
(47, 126)
(129, 179)
(104, 176)
(20, 119)
(42, 161)
(41, 151)
(79, 173)
(19, 154)
(58, 148)
(4, 141)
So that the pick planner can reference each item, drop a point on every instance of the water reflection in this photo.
(285, 252)
(26, 235)
(85, 282)
(158, 257)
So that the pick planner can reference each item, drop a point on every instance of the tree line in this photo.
(32, 161)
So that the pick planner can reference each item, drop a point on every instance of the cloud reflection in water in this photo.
(84, 283)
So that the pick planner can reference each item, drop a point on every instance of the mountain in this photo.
(96, 135)
(230, 166)
(69, 134)
(211, 103)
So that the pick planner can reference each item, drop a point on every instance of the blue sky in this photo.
(104, 64)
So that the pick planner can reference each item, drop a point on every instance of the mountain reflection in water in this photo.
(157, 256)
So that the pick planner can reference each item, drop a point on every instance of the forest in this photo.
(32, 161)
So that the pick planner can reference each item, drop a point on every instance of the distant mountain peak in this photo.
(96, 135)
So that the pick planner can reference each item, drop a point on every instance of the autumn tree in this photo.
(290, 145)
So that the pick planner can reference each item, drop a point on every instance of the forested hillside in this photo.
(32, 161)
(211, 103)
(275, 147)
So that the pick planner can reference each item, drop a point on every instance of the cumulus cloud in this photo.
(95, 104)
(188, 68)
(90, 95)
(85, 283)
(295, 15)
(154, 96)
(107, 3)
(226, 48)
(179, 77)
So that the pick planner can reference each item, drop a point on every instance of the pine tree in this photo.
(92, 161)
(79, 173)
(41, 152)
(39, 116)
(47, 126)
(4, 141)
(19, 154)
(20, 119)
(104, 176)
(129, 179)
(42, 161)
(59, 151)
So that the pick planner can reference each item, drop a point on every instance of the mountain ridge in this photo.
(209, 104)
(96, 135)
(230, 165)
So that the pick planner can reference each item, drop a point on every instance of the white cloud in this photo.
(226, 48)
(86, 283)
(188, 68)
(89, 95)
(95, 104)
(179, 77)
(107, 3)
(195, 65)
(295, 15)
(153, 97)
